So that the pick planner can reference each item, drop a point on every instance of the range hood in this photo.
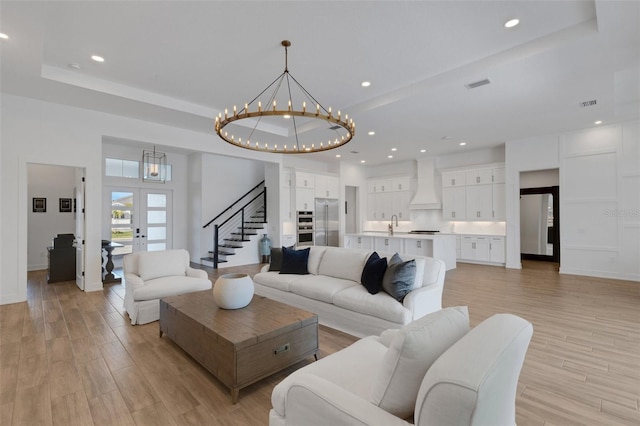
(425, 198)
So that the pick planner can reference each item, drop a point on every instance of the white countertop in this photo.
(400, 235)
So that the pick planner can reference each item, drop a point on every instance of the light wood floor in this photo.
(68, 357)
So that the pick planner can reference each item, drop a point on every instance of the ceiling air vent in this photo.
(588, 103)
(477, 83)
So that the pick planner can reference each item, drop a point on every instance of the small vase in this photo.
(233, 291)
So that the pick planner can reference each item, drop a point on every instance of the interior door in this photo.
(78, 209)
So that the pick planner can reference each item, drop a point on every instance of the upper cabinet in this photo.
(305, 180)
(327, 186)
(474, 194)
(455, 178)
(387, 197)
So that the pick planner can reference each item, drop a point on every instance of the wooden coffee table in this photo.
(239, 346)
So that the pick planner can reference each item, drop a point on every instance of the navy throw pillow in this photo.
(399, 277)
(373, 273)
(294, 261)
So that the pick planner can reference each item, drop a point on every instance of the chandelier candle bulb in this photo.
(246, 108)
(226, 114)
(259, 106)
(289, 105)
(304, 107)
(274, 105)
(317, 109)
(338, 115)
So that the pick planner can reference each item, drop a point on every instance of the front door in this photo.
(140, 219)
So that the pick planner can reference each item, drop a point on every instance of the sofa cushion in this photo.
(349, 368)
(399, 278)
(166, 263)
(340, 263)
(421, 268)
(421, 263)
(373, 272)
(315, 257)
(275, 261)
(275, 280)
(294, 261)
(380, 305)
(320, 287)
(170, 286)
(411, 353)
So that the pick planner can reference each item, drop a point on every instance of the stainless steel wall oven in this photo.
(305, 228)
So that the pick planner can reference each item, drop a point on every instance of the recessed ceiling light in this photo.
(365, 84)
(389, 156)
(362, 161)
(511, 23)
(97, 58)
(597, 122)
(463, 143)
(4, 36)
(423, 150)
(338, 155)
(394, 149)
(371, 133)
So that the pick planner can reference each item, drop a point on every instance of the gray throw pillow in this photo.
(399, 277)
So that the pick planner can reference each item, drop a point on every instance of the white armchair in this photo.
(150, 276)
(431, 372)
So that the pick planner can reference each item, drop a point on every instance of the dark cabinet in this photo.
(62, 260)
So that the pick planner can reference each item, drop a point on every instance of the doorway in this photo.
(540, 223)
(140, 219)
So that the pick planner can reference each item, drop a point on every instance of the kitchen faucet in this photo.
(391, 224)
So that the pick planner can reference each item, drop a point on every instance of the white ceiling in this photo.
(181, 63)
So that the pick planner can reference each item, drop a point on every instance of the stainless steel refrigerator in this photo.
(326, 222)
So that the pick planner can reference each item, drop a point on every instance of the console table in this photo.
(107, 270)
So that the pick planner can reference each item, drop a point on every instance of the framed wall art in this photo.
(39, 205)
(65, 205)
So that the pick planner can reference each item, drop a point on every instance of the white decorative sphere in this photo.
(233, 291)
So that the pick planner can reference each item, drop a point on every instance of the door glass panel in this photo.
(121, 221)
(157, 200)
(157, 233)
(156, 216)
(156, 246)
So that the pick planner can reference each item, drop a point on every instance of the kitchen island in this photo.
(439, 246)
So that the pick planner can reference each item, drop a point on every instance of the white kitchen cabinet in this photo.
(359, 242)
(454, 203)
(305, 180)
(285, 178)
(418, 247)
(478, 177)
(498, 175)
(305, 199)
(401, 183)
(474, 248)
(285, 204)
(327, 187)
(387, 244)
(499, 202)
(488, 249)
(400, 204)
(497, 250)
(479, 202)
(456, 178)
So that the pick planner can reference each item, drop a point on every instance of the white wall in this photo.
(52, 183)
(599, 197)
(34, 131)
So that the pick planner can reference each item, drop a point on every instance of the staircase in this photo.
(235, 227)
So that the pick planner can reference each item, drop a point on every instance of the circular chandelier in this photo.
(261, 126)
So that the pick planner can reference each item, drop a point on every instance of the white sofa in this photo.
(150, 276)
(431, 372)
(332, 289)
